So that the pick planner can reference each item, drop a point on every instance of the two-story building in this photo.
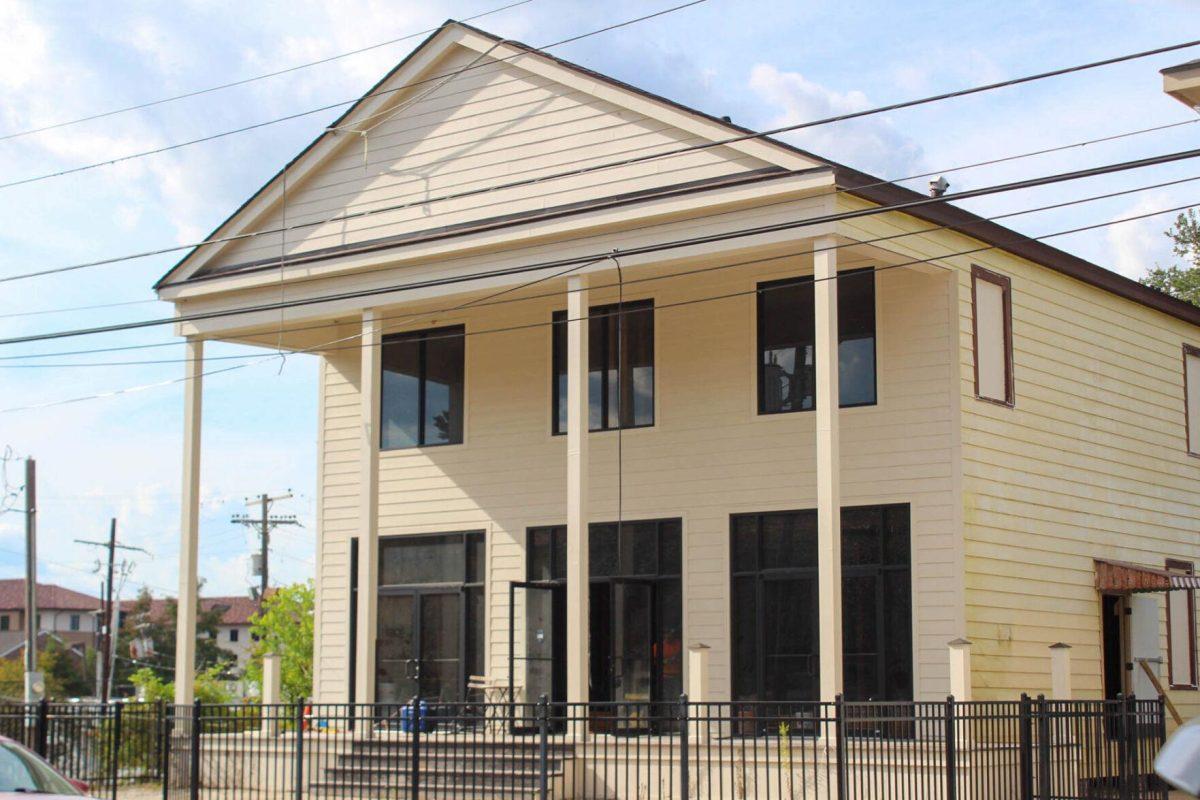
(68, 616)
(604, 378)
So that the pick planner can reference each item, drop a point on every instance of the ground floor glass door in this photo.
(420, 648)
(429, 632)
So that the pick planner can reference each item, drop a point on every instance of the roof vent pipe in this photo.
(938, 186)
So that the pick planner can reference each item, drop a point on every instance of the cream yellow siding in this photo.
(493, 124)
(1091, 462)
(709, 454)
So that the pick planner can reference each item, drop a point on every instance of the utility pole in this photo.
(263, 525)
(109, 623)
(33, 679)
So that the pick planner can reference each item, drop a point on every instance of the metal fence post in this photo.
(1043, 744)
(543, 715)
(168, 731)
(41, 727)
(299, 787)
(685, 719)
(1025, 732)
(114, 764)
(951, 751)
(415, 722)
(839, 734)
(1125, 776)
(194, 767)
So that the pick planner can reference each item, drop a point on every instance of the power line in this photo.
(946, 170)
(244, 81)
(651, 278)
(301, 114)
(642, 250)
(711, 298)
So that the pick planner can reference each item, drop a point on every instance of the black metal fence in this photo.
(1028, 749)
(106, 746)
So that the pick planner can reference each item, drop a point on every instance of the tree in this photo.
(1181, 282)
(145, 620)
(285, 627)
(209, 687)
(64, 673)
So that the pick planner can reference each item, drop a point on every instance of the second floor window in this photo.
(74, 622)
(787, 377)
(4, 623)
(422, 402)
(620, 367)
(233, 634)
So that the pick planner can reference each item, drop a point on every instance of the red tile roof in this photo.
(49, 596)
(238, 608)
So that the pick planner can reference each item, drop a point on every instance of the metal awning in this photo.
(1122, 576)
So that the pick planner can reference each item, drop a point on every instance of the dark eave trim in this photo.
(872, 189)
(1185, 67)
(499, 222)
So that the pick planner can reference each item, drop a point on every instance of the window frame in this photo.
(758, 333)
(422, 337)
(1189, 351)
(1188, 568)
(558, 321)
(979, 273)
(74, 623)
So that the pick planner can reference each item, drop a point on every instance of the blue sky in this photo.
(762, 63)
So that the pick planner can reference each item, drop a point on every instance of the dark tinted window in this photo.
(439, 558)
(637, 548)
(620, 367)
(422, 401)
(786, 341)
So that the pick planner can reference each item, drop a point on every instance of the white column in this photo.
(369, 384)
(577, 490)
(1060, 671)
(189, 525)
(960, 669)
(272, 694)
(829, 502)
(697, 689)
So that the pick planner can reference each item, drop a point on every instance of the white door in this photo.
(1145, 642)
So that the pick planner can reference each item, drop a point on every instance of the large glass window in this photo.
(787, 378)
(620, 367)
(775, 605)
(422, 403)
(635, 604)
(431, 616)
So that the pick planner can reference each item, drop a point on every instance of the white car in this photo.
(23, 773)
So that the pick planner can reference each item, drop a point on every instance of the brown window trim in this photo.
(1188, 350)
(978, 273)
(1190, 569)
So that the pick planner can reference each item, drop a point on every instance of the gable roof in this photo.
(50, 597)
(858, 183)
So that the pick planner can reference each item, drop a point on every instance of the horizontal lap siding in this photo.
(1090, 463)
(708, 455)
(338, 485)
(491, 125)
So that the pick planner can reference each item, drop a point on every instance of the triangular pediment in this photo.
(471, 129)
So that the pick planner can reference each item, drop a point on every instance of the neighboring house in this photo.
(1183, 83)
(1006, 451)
(233, 631)
(64, 614)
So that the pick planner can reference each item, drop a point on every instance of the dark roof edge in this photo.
(976, 227)
(1187, 66)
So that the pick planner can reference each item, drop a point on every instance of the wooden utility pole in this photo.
(263, 525)
(32, 679)
(109, 623)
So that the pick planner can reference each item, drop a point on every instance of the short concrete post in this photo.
(960, 670)
(697, 691)
(1060, 671)
(271, 694)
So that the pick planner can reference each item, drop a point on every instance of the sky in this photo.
(764, 63)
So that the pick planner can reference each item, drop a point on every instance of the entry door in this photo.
(791, 665)
(545, 637)
(419, 646)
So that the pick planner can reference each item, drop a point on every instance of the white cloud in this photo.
(1139, 245)
(871, 144)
